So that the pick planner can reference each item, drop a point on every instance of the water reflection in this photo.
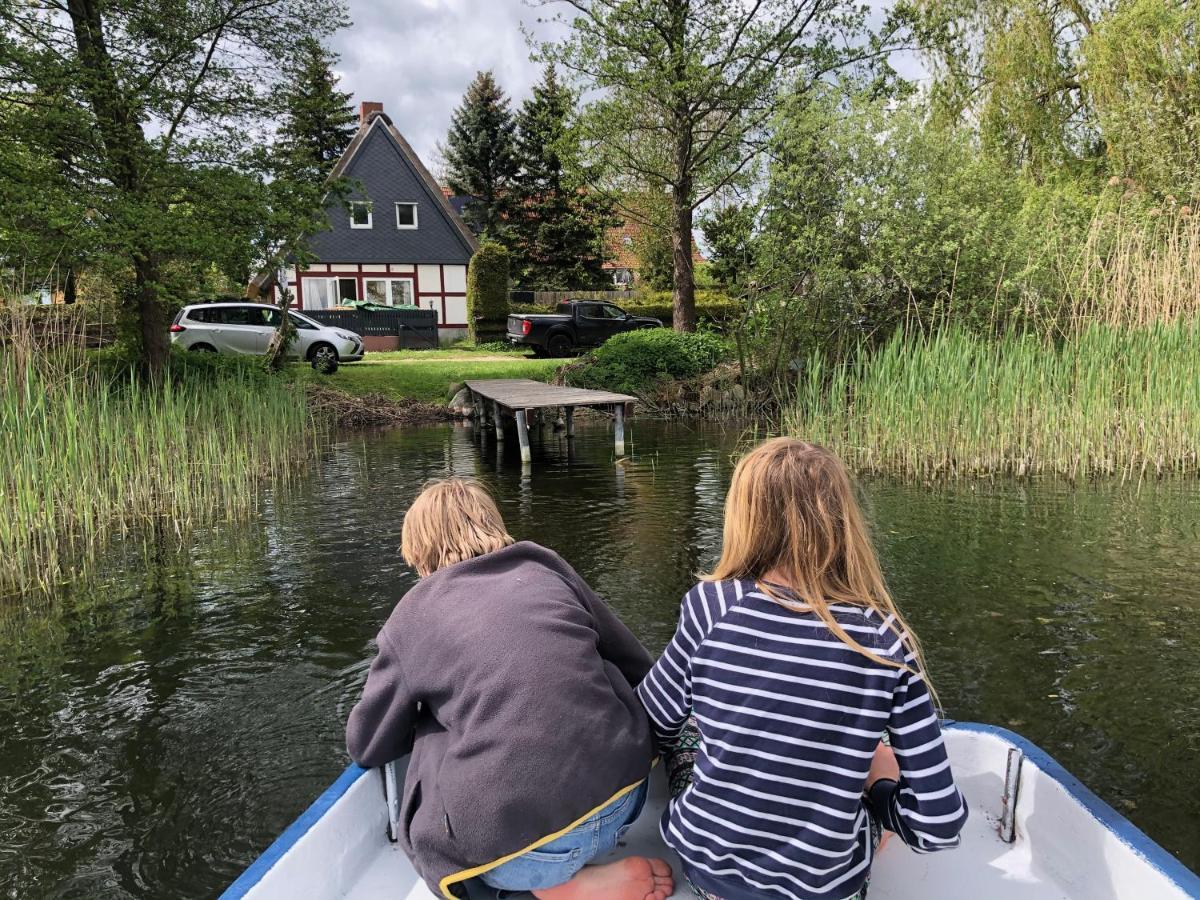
(159, 726)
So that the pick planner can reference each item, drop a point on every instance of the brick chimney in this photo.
(366, 109)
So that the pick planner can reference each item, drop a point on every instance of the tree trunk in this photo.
(70, 287)
(152, 325)
(683, 298)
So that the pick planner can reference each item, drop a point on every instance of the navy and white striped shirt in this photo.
(789, 718)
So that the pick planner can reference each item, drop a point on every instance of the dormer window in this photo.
(360, 214)
(406, 215)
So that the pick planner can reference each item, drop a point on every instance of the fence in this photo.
(551, 298)
(394, 329)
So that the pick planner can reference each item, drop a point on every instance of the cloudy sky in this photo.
(418, 56)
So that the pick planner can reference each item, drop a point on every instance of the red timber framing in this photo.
(426, 290)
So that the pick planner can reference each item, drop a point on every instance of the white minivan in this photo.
(247, 328)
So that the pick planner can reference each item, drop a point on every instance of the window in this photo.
(360, 214)
(591, 310)
(611, 312)
(268, 318)
(347, 289)
(319, 293)
(239, 315)
(389, 291)
(406, 215)
(301, 323)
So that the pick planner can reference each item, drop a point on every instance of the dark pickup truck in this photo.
(573, 324)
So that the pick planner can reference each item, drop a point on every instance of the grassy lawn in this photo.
(427, 374)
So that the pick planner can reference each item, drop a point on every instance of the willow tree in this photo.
(685, 89)
(157, 108)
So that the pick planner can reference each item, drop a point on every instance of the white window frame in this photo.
(413, 204)
(354, 204)
(391, 281)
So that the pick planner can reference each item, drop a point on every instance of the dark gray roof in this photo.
(388, 171)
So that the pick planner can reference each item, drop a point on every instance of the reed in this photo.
(1109, 400)
(88, 452)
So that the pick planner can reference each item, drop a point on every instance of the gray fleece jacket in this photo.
(513, 684)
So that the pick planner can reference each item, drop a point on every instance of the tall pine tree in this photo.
(480, 157)
(319, 120)
(558, 226)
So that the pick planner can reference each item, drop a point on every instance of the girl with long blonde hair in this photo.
(790, 666)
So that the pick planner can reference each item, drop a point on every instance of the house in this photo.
(394, 239)
(621, 261)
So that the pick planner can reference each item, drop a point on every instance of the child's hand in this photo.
(883, 765)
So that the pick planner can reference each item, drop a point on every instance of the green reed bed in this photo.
(88, 451)
(1109, 400)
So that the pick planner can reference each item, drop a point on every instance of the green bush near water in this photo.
(1107, 400)
(88, 451)
(636, 361)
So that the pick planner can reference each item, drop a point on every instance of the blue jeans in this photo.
(558, 861)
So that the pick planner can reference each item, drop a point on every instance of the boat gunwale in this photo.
(280, 847)
(1125, 831)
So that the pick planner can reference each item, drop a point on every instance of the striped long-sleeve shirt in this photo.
(789, 718)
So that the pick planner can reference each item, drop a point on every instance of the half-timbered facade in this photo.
(394, 239)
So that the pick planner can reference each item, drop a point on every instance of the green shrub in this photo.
(633, 362)
(715, 307)
(487, 292)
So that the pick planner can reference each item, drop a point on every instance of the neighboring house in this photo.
(394, 240)
(620, 250)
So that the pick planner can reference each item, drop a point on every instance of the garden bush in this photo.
(636, 361)
(487, 292)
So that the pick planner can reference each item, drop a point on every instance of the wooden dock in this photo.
(521, 396)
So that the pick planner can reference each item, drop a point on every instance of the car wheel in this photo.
(560, 345)
(202, 348)
(324, 359)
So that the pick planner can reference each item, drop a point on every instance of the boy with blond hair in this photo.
(513, 685)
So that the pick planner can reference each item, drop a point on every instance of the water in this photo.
(159, 727)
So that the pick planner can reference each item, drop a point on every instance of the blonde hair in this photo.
(450, 521)
(791, 510)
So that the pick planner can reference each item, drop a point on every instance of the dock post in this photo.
(523, 435)
(619, 411)
(498, 421)
(570, 417)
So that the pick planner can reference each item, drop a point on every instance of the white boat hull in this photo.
(1067, 843)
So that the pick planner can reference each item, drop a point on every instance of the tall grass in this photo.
(1136, 271)
(87, 451)
(1109, 401)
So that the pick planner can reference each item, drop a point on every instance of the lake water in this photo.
(160, 725)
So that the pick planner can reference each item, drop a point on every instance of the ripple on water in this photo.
(159, 727)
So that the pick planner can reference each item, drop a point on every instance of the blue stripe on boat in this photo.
(1137, 840)
(294, 832)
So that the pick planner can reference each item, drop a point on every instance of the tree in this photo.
(153, 106)
(685, 88)
(319, 120)
(729, 233)
(558, 226)
(480, 156)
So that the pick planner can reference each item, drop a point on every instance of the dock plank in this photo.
(524, 393)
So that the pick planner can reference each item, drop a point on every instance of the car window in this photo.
(238, 315)
(204, 314)
(268, 318)
(301, 323)
(612, 312)
(590, 310)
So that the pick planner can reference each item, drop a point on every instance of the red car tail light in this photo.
(526, 326)
(175, 329)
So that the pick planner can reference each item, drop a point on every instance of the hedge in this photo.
(487, 292)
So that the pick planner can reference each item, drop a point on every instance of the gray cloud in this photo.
(418, 56)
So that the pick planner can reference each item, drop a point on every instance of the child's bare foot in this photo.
(634, 878)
